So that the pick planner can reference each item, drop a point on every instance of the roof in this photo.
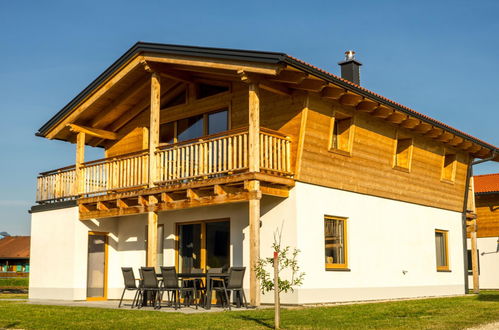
(14, 247)
(488, 183)
(249, 56)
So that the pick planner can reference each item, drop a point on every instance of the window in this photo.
(335, 242)
(470, 262)
(403, 154)
(449, 167)
(441, 250)
(159, 259)
(178, 99)
(205, 90)
(194, 127)
(341, 134)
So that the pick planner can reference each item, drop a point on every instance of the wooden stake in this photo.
(152, 239)
(277, 302)
(154, 126)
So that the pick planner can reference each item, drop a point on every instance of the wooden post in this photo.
(152, 239)
(80, 159)
(154, 126)
(254, 188)
(277, 302)
(473, 238)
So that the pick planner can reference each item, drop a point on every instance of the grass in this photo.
(441, 313)
(13, 296)
(15, 282)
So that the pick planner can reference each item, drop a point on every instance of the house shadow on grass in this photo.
(488, 297)
(265, 322)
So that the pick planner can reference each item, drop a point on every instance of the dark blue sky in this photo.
(438, 57)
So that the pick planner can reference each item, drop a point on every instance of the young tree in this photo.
(285, 261)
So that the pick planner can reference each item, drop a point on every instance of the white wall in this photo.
(488, 255)
(385, 238)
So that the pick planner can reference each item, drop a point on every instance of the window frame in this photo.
(396, 164)
(333, 134)
(446, 267)
(333, 266)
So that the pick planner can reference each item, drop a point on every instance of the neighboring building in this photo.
(208, 151)
(14, 254)
(487, 211)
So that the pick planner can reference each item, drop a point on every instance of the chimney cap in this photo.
(349, 58)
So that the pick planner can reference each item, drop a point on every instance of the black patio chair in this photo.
(234, 284)
(130, 285)
(149, 287)
(171, 284)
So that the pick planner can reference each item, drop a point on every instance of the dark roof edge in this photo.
(139, 47)
(52, 206)
(364, 92)
(487, 193)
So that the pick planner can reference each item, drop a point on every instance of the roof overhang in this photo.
(257, 62)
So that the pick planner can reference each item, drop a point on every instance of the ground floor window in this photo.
(441, 245)
(335, 229)
(470, 262)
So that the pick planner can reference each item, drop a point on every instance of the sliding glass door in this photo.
(204, 244)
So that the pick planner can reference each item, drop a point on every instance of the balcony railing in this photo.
(212, 156)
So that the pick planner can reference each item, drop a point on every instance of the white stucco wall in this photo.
(488, 255)
(385, 238)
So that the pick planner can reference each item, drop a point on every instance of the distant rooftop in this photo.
(14, 247)
(487, 183)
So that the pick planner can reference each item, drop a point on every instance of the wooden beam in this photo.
(290, 77)
(254, 128)
(100, 133)
(175, 75)
(382, 112)
(275, 88)
(465, 145)
(254, 242)
(311, 85)
(222, 190)
(274, 191)
(80, 159)
(410, 123)
(166, 197)
(121, 204)
(152, 239)
(191, 194)
(396, 118)
(422, 128)
(434, 132)
(333, 93)
(350, 100)
(155, 104)
(445, 137)
(456, 140)
(101, 206)
(367, 106)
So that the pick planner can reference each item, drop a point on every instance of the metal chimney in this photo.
(350, 67)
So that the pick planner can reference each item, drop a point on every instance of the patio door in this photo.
(203, 244)
(97, 266)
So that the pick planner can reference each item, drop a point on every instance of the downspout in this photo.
(469, 174)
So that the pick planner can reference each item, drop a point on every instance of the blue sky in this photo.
(438, 57)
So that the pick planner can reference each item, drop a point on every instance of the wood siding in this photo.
(487, 209)
(134, 141)
(369, 169)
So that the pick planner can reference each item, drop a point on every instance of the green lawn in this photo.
(442, 313)
(16, 282)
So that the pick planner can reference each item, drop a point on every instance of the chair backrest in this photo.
(129, 277)
(149, 279)
(170, 278)
(236, 277)
(214, 270)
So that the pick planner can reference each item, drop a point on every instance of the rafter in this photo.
(351, 100)
(396, 118)
(100, 133)
(311, 85)
(290, 77)
(367, 106)
(382, 112)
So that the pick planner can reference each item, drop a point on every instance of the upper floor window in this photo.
(341, 138)
(449, 167)
(194, 127)
(205, 90)
(335, 231)
(403, 153)
(441, 245)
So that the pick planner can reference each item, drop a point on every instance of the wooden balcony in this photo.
(212, 160)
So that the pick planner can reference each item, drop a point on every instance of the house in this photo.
(486, 188)
(14, 255)
(208, 151)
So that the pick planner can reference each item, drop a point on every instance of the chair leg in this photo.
(244, 297)
(121, 300)
(226, 295)
(135, 297)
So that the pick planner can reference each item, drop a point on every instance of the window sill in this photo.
(402, 169)
(337, 269)
(341, 152)
(444, 270)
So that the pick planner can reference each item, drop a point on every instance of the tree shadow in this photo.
(259, 321)
(488, 297)
(11, 325)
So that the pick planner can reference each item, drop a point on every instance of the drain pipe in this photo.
(469, 174)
